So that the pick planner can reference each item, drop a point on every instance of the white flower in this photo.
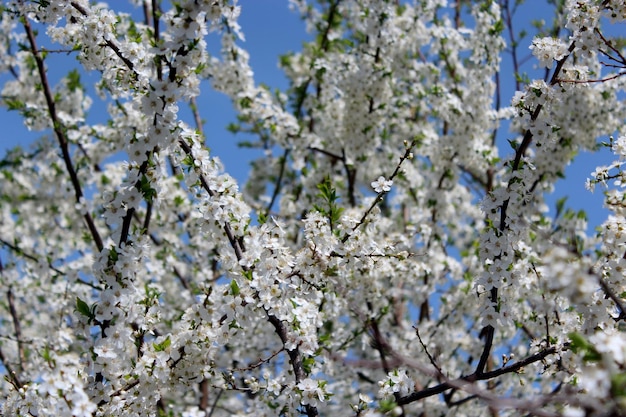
(595, 380)
(570, 411)
(396, 381)
(548, 50)
(619, 147)
(382, 185)
(611, 344)
(401, 382)
(274, 387)
(311, 392)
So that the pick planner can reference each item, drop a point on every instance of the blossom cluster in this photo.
(386, 255)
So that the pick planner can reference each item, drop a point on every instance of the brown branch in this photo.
(121, 391)
(595, 80)
(157, 36)
(193, 105)
(488, 331)
(324, 152)
(614, 49)
(467, 379)
(18, 329)
(277, 185)
(146, 13)
(204, 395)
(351, 174)
(611, 294)
(324, 43)
(18, 336)
(260, 362)
(60, 131)
(508, 18)
(528, 136)
(430, 357)
(18, 251)
(14, 379)
(128, 217)
(295, 358)
(237, 244)
(213, 407)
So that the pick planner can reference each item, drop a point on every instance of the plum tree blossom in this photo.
(382, 185)
(139, 278)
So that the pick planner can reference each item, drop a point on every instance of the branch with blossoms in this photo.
(468, 379)
(521, 150)
(12, 374)
(467, 383)
(174, 299)
(236, 242)
(382, 186)
(281, 331)
(59, 131)
(618, 61)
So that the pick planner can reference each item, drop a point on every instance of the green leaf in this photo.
(46, 355)
(146, 189)
(14, 103)
(160, 347)
(559, 206)
(234, 288)
(387, 405)
(285, 60)
(113, 256)
(233, 127)
(188, 161)
(83, 308)
(618, 385)
(497, 28)
(245, 102)
(329, 195)
(579, 344)
(307, 364)
(73, 81)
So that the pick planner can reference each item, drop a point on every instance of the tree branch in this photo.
(463, 381)
(60, 132)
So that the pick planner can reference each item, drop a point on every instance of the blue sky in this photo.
(272, 29)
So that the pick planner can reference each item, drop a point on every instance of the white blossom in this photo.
(382, 185)
(141, 276)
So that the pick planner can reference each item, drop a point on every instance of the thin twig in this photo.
(17, 327)
(277, 185)
(214, 406)
(430, 357)
(379, 197)
(260, 362)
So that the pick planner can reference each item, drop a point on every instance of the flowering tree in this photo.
(385, 256)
